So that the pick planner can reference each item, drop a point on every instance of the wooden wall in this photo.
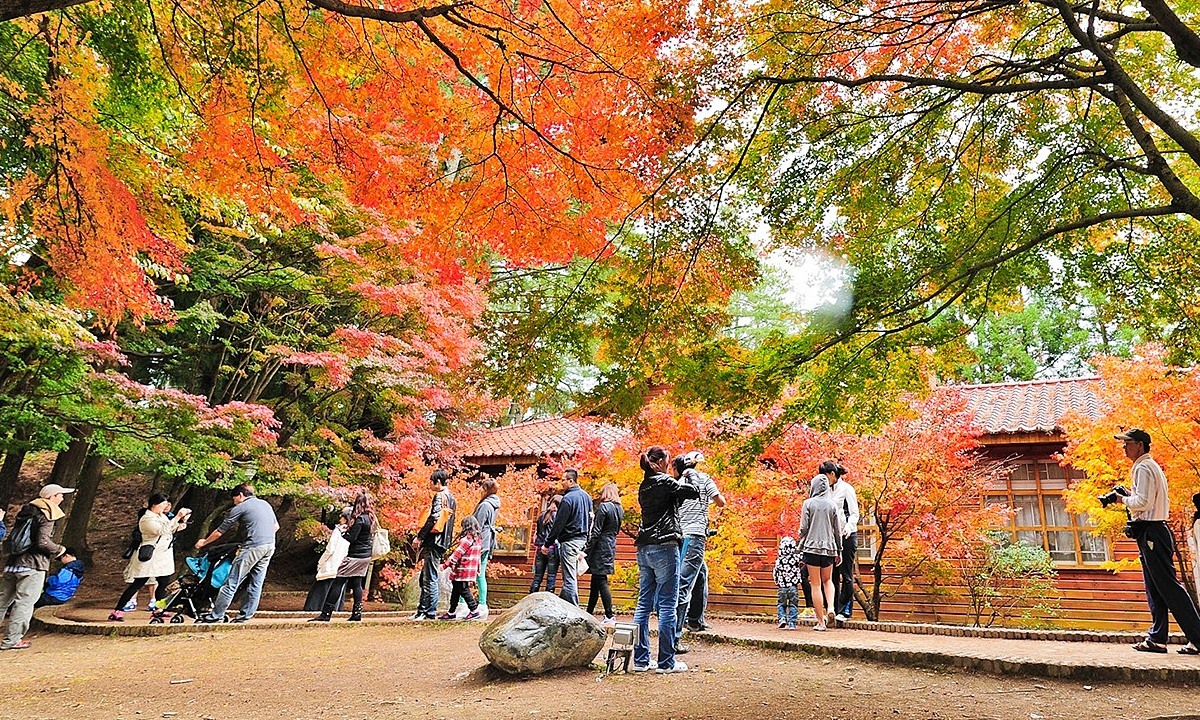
(1090, 598)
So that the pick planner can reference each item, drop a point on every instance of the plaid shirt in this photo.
(464, 561)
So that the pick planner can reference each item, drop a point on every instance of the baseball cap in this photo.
(1135, 434)
(54, 489)
(693, 458)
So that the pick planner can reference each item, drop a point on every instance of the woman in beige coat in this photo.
(155, 558)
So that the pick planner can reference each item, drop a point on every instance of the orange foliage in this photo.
(1147, 393)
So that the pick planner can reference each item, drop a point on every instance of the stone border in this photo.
(1113, 636)
(45, 619)
(996, 666)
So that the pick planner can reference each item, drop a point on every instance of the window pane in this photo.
(1022, 477)
(1033, 538)
(1093, 548)
(999, 501)
(1054, 476)
(1027, 511)
(1061, 545)
(1056, 511)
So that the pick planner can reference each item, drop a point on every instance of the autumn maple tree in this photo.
(1145, 391)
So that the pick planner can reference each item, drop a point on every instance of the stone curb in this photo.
(45, 620)
(974, 632)
(996, 666)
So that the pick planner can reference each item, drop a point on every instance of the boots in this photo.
(323, 617)
(356, 613)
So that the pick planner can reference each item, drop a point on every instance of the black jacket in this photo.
(601, 548)
(573, 519)
(437, 533)
(360, 536)
(660, 496)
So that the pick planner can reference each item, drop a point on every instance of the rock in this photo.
(542, 632)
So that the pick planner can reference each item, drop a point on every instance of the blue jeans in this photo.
(658, 586)
(545, 565)
(249, 565)
(428, 579)
(693, 583)
(788, 610)
(568, 563)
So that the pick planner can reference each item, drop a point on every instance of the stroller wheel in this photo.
(156, 620)
(177, 619)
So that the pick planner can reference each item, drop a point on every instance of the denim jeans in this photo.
(788, 609)
(22, 591)
(249, 565)
(568, 562)
(432, 559)
(545, 565)
(693, 582)
(658, 586)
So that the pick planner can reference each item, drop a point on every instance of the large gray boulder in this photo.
(542, 632)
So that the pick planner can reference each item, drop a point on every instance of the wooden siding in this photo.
(1089, 598)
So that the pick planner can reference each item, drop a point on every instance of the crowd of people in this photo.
(575, 534)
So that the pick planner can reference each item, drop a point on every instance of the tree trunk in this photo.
(79, 513)
(10, 474)
(70, 461)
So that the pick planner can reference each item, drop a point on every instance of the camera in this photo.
(1113, 496)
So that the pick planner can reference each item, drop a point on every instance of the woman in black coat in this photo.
(601, 549)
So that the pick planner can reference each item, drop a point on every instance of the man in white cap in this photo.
(693, 570)
(30, 547)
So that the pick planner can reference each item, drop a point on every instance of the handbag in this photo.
(145, 552)
(380, 544)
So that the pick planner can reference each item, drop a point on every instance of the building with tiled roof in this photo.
(531, 442)
(1021, 424)
(1029, 408)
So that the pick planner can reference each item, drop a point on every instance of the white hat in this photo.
(693, 458)
(54, 489)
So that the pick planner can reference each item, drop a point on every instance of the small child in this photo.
(787, 579)
(464, 568)
(61, 586)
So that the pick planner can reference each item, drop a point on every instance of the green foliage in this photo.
(1006, 581)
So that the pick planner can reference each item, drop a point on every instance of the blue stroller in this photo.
(198, 587)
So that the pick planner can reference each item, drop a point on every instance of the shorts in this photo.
(819, 561)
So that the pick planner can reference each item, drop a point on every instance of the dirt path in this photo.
(344, 672)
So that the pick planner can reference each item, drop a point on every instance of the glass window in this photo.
(512, 540)
(1039, 513)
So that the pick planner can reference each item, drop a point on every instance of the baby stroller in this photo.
(198, 587)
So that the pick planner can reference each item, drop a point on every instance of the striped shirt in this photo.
(693, 514)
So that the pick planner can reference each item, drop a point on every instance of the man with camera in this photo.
(693, 522)
(1149, 507)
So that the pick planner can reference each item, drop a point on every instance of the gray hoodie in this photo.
(820, 521)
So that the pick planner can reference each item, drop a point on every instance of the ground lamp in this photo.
(624, 635)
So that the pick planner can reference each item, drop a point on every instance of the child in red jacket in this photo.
(463, 564)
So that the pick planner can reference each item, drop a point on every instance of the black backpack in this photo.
(20, 540)
(135, 537)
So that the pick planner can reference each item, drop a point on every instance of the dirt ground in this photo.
(436, 671)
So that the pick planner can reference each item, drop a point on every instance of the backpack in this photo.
(20, 540)
(135, 540)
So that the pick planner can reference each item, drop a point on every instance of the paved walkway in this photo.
(1041, 658)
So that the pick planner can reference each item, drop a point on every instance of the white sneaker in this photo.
(609, 622)
(840, 618)
(678, 667)
(641, 668)
(483, 612)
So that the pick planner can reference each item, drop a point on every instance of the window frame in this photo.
(1035, 484)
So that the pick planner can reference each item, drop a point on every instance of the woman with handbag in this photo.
(336, 548)
(352, 571)
(155, 557)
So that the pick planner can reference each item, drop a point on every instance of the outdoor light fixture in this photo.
(624, 635)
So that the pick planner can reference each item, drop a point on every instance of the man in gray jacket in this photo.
(257, 518)
(25, 569)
